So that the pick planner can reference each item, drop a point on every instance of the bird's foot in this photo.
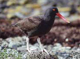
(44, 50)
(41, 47)
(28, 50)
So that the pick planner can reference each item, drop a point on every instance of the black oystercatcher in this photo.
(39, 25)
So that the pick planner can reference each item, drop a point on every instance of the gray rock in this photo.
(22, 49)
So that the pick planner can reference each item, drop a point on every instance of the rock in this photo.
(57, 45)
(4, 45)
(14, 47)
(15, 42)
(22, 49)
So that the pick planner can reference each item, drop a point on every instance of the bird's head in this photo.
(53, 11)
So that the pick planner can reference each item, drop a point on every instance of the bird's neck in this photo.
(49, 18)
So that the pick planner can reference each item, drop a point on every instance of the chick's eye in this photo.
(54, 10)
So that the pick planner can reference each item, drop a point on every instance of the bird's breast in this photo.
(42, 29)
(46, 27)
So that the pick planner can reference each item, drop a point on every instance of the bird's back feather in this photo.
(29, 23)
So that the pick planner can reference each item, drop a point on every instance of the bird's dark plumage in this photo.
(38, 25)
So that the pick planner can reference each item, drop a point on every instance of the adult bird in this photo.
(39, 25)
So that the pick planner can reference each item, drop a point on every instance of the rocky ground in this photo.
(15, 48)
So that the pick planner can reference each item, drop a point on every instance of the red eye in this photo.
(54, 10)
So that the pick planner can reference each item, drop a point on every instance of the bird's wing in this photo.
(29, 23)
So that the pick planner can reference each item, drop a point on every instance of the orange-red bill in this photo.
(59, 15)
